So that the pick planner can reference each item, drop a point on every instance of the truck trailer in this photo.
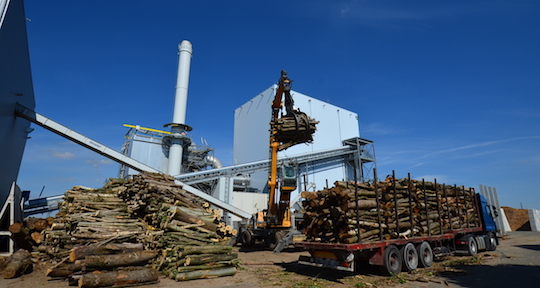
(399, 225)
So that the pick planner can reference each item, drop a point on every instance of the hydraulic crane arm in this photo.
(293, 128)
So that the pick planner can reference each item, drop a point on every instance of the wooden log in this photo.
(103, 249)
(37, 237)
(19, 234)
(64, 271)
(17, 264)
(181, 215)
(58, 226)
(362, 204)
(37, 224)
(199, 274)
(207, 258)
(119, 278)
(123, 259)
(209, 266)
(213, 249)
(16, 227)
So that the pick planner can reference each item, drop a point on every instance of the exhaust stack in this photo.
(178, 126)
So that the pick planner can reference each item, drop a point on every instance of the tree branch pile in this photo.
(136, 228)
(395, 208)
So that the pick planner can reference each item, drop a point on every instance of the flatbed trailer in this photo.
(406, 253)
(390, 254)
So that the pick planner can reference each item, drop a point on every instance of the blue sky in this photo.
(445, 89)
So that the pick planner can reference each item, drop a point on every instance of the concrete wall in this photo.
(15, 86)
(534, 219)
(250, 202)
(506, 225)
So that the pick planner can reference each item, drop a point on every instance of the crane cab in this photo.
(289, 177)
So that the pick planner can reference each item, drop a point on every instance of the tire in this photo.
(247, 239)
(425, 255)
(392, 261)
(410, 257)
(472, 247)
(271, 241)
(491, 242)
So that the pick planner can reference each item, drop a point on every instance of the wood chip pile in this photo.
(133, 230)
(386, 210)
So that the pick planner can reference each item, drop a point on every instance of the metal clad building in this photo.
(251, 134)
(146, 146)
(15, 87)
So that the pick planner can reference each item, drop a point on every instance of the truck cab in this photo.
(470, 244)
(487, 214)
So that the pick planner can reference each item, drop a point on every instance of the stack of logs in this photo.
(29, 233)
(292, 130)
(131, 230)
(395, 208)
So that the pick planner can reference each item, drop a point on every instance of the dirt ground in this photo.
(516, 263)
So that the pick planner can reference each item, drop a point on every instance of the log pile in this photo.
(29, 233)
(292, 130)
(395, 208)
(157, 200)
(136, 228)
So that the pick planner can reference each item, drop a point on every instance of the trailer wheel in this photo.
(491, 244)
(425, 255)
(410, 257)
(391, 260)
(472, 247)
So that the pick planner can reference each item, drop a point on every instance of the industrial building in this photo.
(336, 153)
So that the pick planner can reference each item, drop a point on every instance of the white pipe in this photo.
(214, 162)
(178, 125)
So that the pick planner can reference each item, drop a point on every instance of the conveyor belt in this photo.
(95, 146)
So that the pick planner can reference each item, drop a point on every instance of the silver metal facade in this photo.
(492, 197)
(15, 87)
(144, 146)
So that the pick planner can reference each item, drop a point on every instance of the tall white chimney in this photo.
(178, 126)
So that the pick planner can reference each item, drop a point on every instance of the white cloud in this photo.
(531, 159)
(63, 179)
(61, 155)
(481, 153)
(379, 129)
(95, 162)
(440, 178)
(481, 144)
